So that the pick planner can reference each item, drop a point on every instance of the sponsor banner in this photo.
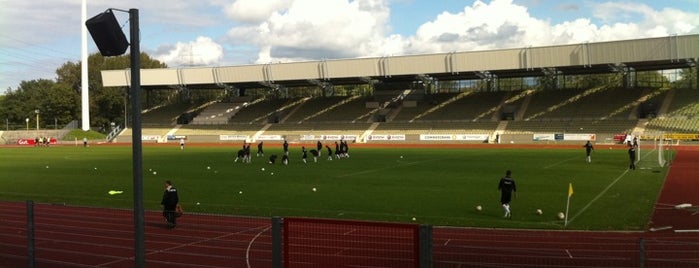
(544, 137)
(233, 137)
(32, 142)
(579, 137)
(150, 137)
(620, 138)
(558, 136)
(308, 137)
(678, 136)
(336, 137)
(471, 137)
(394, 137)
(433, 137)
(270, 138)
(176, 137)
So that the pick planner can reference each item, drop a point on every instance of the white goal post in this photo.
(653, 150)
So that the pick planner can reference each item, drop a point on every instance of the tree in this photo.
(106, 104)
(55, 103)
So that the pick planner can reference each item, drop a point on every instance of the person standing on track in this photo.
(588, 149)
(169, 203)
(507, 189)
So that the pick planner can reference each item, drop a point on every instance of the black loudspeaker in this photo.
(105, 30)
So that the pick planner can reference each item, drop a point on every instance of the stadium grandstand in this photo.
(534, 94)
(593, 91)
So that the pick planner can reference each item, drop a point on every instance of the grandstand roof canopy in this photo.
(672, 52)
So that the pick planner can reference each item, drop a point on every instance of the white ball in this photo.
(539, 212)
(198, 203)
(47, 166)
(263, 169)
(241, 192)
(314, 189)
(414, 219)
(479, 208)
(271, 173)
(155, 173)
(208, 167)
(401, 156)
(561, 215)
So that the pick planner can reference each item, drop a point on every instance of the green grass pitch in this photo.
(434, 186)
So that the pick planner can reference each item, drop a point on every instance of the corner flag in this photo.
(570, 193)
(570, 189)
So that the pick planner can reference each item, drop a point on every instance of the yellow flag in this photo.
(570, 189)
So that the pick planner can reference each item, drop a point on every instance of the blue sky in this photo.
(37, 37)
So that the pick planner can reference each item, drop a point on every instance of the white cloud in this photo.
(254, 11)
(307, 29)
(503, 24)
(202, 51)
(38, 36)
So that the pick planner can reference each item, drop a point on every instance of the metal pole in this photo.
(642, 253)
(277, 242)
(425, 246)
(138, 210)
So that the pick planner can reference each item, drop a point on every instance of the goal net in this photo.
(653, 151)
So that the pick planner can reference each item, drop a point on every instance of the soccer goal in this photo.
(653, 151)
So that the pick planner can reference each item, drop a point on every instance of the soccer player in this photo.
(319, 148)
(588, 149)
(246, 148)
(345, 148)
(330, 152)
(304, 154)
(337, 150)
(182, 144)
(315, 154)
(272, 158)
(507, 189)
(260, 152)
(286, 147)
(285, 159)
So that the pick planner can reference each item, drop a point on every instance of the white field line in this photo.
(598, 196)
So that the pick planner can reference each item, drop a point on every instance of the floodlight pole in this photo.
(137, 148)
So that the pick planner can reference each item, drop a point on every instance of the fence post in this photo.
(30, 233)
(642, 253)
(425, 246)
(277, 242)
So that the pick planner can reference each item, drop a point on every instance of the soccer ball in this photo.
(479, 208)
(539, 212)
(263, 169)
(561, 216)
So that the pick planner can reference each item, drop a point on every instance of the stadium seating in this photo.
(164, 115)
(601, 110)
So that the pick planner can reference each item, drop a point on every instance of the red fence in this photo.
(329, 243)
